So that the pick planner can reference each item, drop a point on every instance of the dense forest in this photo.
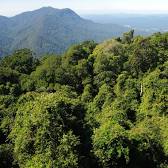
(96, 106)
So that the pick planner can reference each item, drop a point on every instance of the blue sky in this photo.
(12, 7)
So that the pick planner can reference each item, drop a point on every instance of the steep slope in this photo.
(50, 30)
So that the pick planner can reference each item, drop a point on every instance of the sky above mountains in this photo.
(13, 7)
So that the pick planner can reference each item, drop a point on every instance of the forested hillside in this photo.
(96, 106)
(50, 30)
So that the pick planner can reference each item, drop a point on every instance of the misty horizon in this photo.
(96, 13)
(14, 7)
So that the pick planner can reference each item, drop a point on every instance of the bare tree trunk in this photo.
(141, 93)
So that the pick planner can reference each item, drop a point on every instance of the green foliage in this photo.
(21, 61)
(79, 52)
(43, 127)
(109, 58)
(155, 93)
(143, 56)
(110, 145)
(6, 156)
(128, 37)
(98, 105)
(49, 72)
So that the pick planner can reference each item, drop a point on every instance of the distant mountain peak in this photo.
(68, 10)
(49, 8)
(51, 11)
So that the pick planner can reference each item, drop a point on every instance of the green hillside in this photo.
(50, 30)
(97, 106)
